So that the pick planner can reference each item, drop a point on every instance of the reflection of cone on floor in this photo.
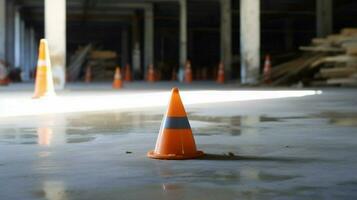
(175, 140)
(117, 83)
(88, 75)
(44, 135)
(188, 72)
(44, 81)
(220, 74)
(151, 74)
(127, 73)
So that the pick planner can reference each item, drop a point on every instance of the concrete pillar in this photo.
(10, 29)
(22, 49)
(124, 47)
(17, 50)
(250, 40)
(149, 37)
(26, 55)
(33, 51)
(55, 33)
(2, 30)
(183, 38)
(323, 17)
(226, 36)
(136, 54)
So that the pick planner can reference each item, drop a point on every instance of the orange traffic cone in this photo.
(117, 83)
(88, 75)
(188, 72)
(267, 70)
(151, 73)
(44, 81)
(4, 79)
(220, 73)
(127, 76)
(175, 140)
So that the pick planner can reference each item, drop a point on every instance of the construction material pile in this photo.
(102, 63)
(330, 61)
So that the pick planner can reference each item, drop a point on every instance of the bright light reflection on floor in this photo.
(111, 101)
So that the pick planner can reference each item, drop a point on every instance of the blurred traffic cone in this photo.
(117, 83)
(174, 75)
(88, 75)
(4, 79)
(151, 74)
(267, 70)
(220, 73)
(175, 140)
(188, 72)
(127, 76)
(44, 81)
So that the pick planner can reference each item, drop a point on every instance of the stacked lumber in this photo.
(76, 62)
(102, 63)
(327, 61)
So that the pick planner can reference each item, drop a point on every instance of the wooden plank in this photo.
(342, 81)
(337, 72)
(349, 31)
(322, 49)
(338, 58)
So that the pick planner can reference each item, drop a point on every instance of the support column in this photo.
(250, 40)
(26, 62)
(136, 54)
(22, 49)
(2, 30)
(323, 17)
(183, 38)
(33, 50)
(17, 50)
(124, 47)
(226, 37)
(149, 37)
(10, 28)
(55, 33)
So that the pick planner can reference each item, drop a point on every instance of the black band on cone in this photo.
(177, 123)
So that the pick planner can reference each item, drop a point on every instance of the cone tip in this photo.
(175, 90)
(43, 40)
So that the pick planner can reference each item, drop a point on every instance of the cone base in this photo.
(48, 95)
(152, 154)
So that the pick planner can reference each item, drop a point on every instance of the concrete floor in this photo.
(292, 147)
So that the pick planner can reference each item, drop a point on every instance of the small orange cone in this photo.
(188, 72)
(151, 73)
(88, 75)
(267, 70)
(117, 83)
(127, 76)
(175, 140)
(44, 81)
(220, 73)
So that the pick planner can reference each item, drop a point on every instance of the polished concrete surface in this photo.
(283, 147)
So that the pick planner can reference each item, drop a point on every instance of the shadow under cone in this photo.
(44, 80)
(175, 140)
